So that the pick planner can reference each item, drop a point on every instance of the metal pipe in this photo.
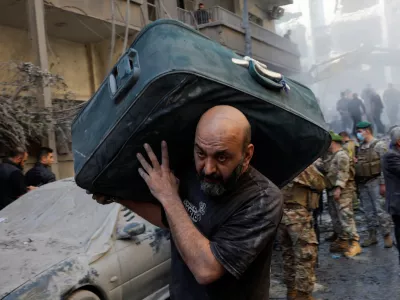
(247, 29)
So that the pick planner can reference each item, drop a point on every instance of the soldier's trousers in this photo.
(342, 215)
(299, 245)
(371, 203)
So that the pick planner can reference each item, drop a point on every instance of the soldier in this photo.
(351, 148)
(297, 235)
(340, 190)
(371, 184)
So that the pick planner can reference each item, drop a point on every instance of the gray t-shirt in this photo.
(241, 227)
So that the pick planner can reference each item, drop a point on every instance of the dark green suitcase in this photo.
(159, 89)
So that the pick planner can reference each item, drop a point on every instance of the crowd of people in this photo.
(367, 169)
(13, 182)
(353, 109)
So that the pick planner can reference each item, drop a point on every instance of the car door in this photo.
(144, 256)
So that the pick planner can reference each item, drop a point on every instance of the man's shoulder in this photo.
(35, 169)
(380, 146)
(262, 186)
(9, 167)
(391, 154)
(342, 154)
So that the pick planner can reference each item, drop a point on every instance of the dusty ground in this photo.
(373, 275)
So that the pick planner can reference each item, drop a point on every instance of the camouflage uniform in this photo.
(296, 233)
(371, 200)
(337, 169)
(350, 148)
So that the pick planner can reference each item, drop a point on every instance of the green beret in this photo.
(335, 137)
(363, 125)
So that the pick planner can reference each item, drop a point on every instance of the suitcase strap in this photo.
(259, 72)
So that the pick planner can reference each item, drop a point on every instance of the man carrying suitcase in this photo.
(223, 214)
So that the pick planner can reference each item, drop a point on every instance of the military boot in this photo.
(304, 296)
(388, 241)
(353, 250)
(371, 240)
(339, 246)
(291, 295)
(332, 237)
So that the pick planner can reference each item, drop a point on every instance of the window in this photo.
(152, 8)
(255, 19)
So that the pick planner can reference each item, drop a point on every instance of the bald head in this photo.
(222, 149)
(225, 122)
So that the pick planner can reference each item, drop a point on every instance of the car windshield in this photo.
(59, 210)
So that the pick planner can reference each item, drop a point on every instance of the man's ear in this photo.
(248, 155)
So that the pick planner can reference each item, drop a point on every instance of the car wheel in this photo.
(83, 295)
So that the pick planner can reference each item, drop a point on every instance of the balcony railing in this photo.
(186, 17)
(218, 14)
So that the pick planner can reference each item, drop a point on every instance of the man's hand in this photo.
(382, 190)
(159, 178)
(31, 188)
(337, 193)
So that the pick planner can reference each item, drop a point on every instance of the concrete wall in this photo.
(68, 59)
(255, 10)
(102, 9)
(170, 6)
(82, 66)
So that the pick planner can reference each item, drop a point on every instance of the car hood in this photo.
(56, 222)
(24, 257)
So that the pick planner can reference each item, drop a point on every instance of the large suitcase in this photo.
(159, 89)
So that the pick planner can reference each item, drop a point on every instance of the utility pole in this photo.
(247, 29)
(37, 33)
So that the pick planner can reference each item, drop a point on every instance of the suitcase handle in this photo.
(124, 75)
(267, 78)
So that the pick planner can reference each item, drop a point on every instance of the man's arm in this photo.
(381, 148)
(52, 177)
(384, 96)
(343, 163)
(149, 211)
(49, 177)
(343, 173)
(363, 107)
(193, 247)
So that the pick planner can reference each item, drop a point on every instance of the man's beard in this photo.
(221, 187)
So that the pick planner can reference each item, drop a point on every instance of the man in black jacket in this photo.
(391, 171)
(12, 181)
(356, 110)
(40, 174)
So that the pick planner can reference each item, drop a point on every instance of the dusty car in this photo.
(58, 243)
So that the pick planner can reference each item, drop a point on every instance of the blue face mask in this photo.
(360, 137)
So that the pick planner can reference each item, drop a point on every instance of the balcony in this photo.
(86, 21)
(225, 27)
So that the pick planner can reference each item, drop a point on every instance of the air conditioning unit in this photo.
(276, 13)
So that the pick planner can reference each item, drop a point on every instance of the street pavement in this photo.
(373, 275)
